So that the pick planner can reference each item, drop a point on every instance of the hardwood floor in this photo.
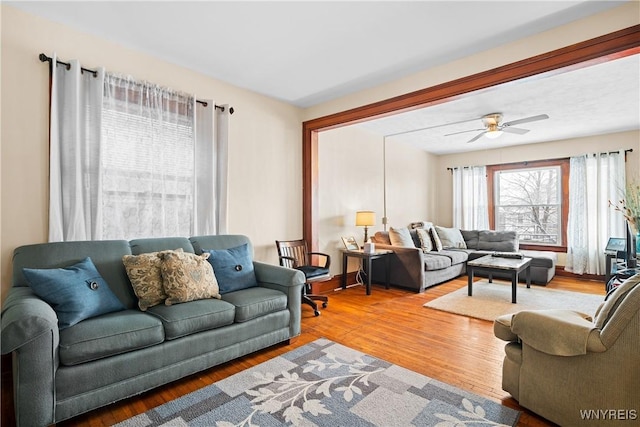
(388, 324)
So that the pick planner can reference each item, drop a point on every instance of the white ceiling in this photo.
(306, 52)
(594, 100)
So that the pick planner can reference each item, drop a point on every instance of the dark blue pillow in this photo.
(233, 268)
(76, 293)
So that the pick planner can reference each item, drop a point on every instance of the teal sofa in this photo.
(60, 373)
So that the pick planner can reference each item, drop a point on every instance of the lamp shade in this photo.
(493, 134)
(365, 218)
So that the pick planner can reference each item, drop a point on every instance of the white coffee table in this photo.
(492, 264)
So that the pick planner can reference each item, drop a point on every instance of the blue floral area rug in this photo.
(327, 384)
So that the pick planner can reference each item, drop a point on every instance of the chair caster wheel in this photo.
(316, 312)
(324, 305)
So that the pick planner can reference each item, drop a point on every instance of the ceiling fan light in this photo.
(493, 134)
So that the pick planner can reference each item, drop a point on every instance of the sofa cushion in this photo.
(545, 259)
(233, 268)
(470, 238)
(499, 241)
(76, 293)
(401, 237)
(184, 319)
(255, 302)
(456, 256)
(450, 237)
(108, 335)
(187, 277)
(311, 271)
(146, 278)
(434, 261)
(425, 239)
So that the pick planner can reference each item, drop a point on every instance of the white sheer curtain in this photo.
(211, 161)
(222, 168)
(594, 180)
(132, 159)
(470, 203)
(74, 158)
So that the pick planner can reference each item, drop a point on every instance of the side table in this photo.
(367, 258)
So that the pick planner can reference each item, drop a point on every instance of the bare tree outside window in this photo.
(529, 201)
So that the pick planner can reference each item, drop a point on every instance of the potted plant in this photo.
(629, 206)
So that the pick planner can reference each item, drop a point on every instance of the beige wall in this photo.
(353, 178)
(265, 150)
(350, 180)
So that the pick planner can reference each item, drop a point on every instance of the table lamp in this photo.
(365, 219)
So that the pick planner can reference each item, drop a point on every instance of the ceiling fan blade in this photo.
(519, 131)
(526, 120)
(475, 138)
(464, 131)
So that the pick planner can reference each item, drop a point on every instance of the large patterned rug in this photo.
(327, 384)
(492, 300)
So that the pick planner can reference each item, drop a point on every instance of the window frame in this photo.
(564, 193)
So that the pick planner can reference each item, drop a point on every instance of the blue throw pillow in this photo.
(76, 293)
(233, 268)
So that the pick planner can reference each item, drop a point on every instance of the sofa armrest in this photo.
(30, 331)
(557, 332)
(406, 266)
(287, 281)
(25, 317)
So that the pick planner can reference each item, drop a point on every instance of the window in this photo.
(128, 160)
(530, 199)
(148, 173)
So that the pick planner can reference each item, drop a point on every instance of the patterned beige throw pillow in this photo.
(146, 278)
(425, 239)
(188, 277)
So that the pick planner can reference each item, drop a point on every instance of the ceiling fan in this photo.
(493, 128)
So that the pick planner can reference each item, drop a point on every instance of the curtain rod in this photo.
(628, 150)
(45, 58)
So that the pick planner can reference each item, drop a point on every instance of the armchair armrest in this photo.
(288, 281)
(292, 260)
(557, 332)
(327, 258)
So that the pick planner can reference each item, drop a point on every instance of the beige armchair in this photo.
(573, 370)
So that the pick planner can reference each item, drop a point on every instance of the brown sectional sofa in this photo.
(413, 268)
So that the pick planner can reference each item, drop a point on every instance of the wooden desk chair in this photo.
(294, 254)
